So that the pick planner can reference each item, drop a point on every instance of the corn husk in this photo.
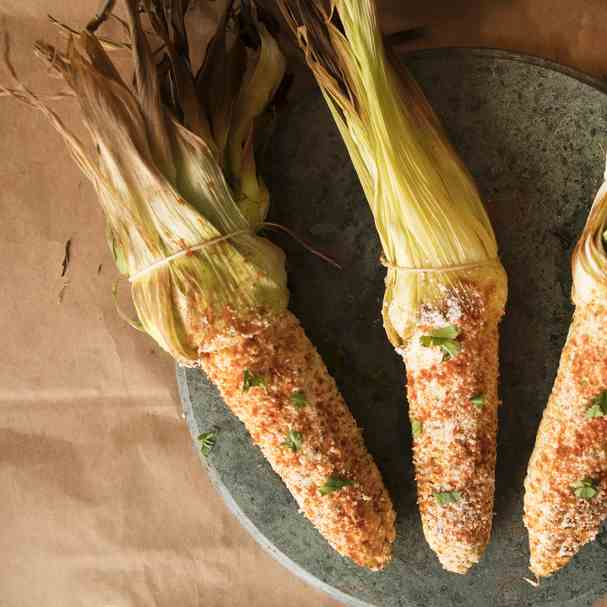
(589, 261)
(233, 117)
(159, 175)
(427, 210)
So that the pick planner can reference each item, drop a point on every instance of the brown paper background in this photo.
(102, 498)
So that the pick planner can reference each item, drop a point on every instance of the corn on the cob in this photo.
(445, 287)
(279, 387)
(566, 483)
(183, 201)
(453, 409)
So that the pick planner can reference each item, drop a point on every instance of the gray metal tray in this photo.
(531, 133)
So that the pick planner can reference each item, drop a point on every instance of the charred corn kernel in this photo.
(439, 248)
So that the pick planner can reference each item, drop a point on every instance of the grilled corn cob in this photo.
(445, 287)
(278, 386)
(566, 483)
(183, 201)
(453, 409)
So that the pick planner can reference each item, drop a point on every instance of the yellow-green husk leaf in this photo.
(427, 210)
(163, 191)
(589, 262)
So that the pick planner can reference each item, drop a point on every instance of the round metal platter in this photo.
(531, 133)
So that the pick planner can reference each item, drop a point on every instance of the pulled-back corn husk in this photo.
(589, 261)
(427, 210)
(259, 84)
(158, 175)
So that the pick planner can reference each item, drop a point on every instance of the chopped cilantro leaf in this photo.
(586, 488)
(445, 339)
(447, 497)
(598, 405)
(478, 400)
(299, 400)
(448, 332)
(334, 483)
(207, 441)
(416, 427)
(251, 380)
(294, 440)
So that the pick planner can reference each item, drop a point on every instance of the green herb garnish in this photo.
(416, 427)
(598, 405)
(586, 488)
(445, 339)
(334, 483)
(293, 441)
(447, 497)
(478, 400)
(207, 441)
(299, 400)
(447, 332)
(251, 380)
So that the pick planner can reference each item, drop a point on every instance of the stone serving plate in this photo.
(532, 133)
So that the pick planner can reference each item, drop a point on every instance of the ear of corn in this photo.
(453, 402)
(176, 178)
(566, 483)
(441, 254)
(327, 469)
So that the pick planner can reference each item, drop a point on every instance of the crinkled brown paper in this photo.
(103, 500)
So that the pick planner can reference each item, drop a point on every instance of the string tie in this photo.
(452, 268)
(187, 251)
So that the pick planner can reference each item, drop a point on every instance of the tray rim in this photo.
(508, 55)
